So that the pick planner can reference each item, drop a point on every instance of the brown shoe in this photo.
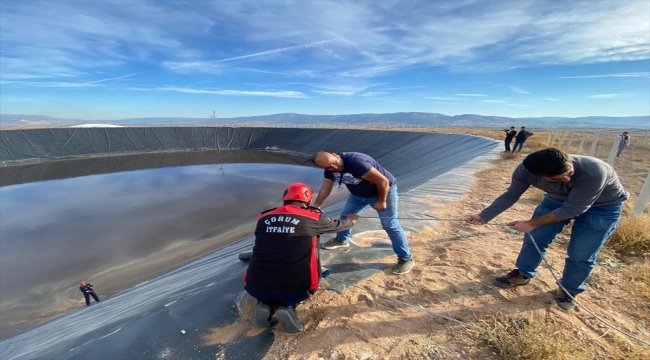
(563, 300)
(511, 280)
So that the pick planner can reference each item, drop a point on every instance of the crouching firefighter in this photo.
(284, 268)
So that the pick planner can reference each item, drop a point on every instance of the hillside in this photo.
(409, 118)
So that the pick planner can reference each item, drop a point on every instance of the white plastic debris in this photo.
(183, 332)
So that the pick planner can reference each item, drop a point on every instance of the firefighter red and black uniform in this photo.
(285, 256)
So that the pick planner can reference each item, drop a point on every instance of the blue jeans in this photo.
(520, 143)
(356, 204)
(590, 231)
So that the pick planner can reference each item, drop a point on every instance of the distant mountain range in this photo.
(409, 118)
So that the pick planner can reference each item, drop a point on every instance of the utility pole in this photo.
(214, 117)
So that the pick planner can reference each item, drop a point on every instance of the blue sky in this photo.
(119, 59)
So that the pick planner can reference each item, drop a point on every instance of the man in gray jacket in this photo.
(581, 189)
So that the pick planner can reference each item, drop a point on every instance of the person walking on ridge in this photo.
(520, 138)
(510, 134)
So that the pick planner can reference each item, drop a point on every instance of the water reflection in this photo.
(122, 228)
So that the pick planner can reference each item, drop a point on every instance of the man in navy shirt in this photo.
(369, 184)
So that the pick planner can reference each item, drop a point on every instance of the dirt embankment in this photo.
(455, 267)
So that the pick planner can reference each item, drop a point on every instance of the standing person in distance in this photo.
(579, 189)
(520, 138)
(623, 143)
(510, 134)
(369, 184)
(284, 268)
(88, 291)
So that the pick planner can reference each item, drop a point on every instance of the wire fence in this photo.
(609, 146)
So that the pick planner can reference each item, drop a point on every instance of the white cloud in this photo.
(552, 99)
(282, 94)
(471, 95)
(621, 75)
(518, 90)
(405, 88)
(494, 101)
(344, 93)
(374, 93)
(343, 89)
(517, 105)
(604, 96)
(324, 39)
(201, 64)
(440, 98)
(63, 84)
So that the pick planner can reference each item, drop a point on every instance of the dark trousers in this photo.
(87, 296)
(277, 299)
(518, 143)
(507, 142)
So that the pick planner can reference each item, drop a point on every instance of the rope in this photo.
(578, 303)
(623, 332)
(431, 218)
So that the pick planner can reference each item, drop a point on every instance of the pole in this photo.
(571, 139)
(593, 145)
(612, 152)
(643, 198)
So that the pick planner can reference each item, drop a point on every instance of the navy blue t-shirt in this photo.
(356, 165)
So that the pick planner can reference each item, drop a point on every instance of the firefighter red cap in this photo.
(298, 192)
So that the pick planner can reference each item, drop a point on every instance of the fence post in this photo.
(593, 145)
(571, 139)
(643, 198)
(563, 137)
(582, 142)
(612, 153)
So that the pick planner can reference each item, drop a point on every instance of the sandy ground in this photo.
(456, 262)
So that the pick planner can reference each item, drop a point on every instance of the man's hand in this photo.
(353, 217)
(523, 226)
(474, 220)
(379, 205)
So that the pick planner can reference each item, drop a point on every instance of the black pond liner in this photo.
(204, 296)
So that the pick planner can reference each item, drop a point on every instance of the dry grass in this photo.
(632, 237)
(522, 338)
(525, 339)
(639, 282)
